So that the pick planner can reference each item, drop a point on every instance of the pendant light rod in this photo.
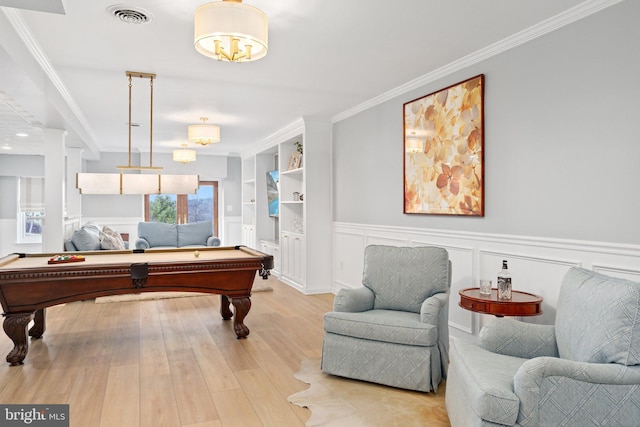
(151, 77)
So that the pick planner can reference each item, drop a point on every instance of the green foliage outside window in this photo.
(163, 209)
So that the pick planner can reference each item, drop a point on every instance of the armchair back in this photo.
(598, 318)
(403, 277)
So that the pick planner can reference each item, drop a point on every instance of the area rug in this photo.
(258, 286)
(336, 401)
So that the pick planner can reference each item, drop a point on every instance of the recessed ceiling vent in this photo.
(129, 14)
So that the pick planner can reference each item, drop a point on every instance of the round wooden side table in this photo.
(520, 304)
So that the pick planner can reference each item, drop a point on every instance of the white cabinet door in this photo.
(249, 236)
(293, 258)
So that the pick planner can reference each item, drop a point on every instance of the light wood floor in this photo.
(171, 362)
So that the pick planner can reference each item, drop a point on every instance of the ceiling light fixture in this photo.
(204, 134)
(22, 134)
(137, 183)
(184, 155)
(231, 31)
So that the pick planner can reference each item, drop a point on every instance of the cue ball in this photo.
(196, 254)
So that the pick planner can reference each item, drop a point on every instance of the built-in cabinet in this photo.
(299, 237)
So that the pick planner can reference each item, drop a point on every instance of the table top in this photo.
(172, 255)
(520, 304)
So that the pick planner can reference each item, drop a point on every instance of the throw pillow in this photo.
(85, 240)
(110, 242)
(118, 238)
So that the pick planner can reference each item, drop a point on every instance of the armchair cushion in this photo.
(402, 278)
(519, 339)
(611, 303)
(398, 327)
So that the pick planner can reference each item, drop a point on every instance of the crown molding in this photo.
(567, 17)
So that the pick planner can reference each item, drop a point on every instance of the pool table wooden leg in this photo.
(225, 311)
(15, 326)
(242, 306)
(39, 324)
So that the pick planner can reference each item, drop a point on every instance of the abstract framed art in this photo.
(444, 151)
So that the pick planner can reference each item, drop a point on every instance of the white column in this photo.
(54, 183)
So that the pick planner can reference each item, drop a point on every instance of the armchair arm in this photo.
(432, 306)
(213, 241)
(353, 300)
(519, 339)
(553, 388)
(435, 311)
(142, 243)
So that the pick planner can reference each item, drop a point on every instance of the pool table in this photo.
(31, 282)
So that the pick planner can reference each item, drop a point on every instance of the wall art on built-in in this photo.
(295, 161)
(443, 151)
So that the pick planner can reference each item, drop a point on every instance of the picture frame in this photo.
(443, 164)
(295, 160)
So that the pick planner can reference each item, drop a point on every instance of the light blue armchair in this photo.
(394, 330)
(583, 371)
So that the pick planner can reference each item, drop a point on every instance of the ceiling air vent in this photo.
(129, 14)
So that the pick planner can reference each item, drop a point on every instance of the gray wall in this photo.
(562, 156)
(8, 197)
(233, 188)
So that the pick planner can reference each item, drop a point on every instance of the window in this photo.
(31, 211)
(184, 208)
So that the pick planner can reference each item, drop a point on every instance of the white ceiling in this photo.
(67, 70)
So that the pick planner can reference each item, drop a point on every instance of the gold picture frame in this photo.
(444, 151)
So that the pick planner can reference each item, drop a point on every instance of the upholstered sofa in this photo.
(93, 237)
(161, 235)
(583, 371)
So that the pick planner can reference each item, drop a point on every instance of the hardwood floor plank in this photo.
(87, 394)
(235, 409)
(122, 397)
(191, 393)
(213, 365)
(158, 409)
(271, 408)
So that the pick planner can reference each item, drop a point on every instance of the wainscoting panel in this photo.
(537, 265)
(626, 273)
(348, 260)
